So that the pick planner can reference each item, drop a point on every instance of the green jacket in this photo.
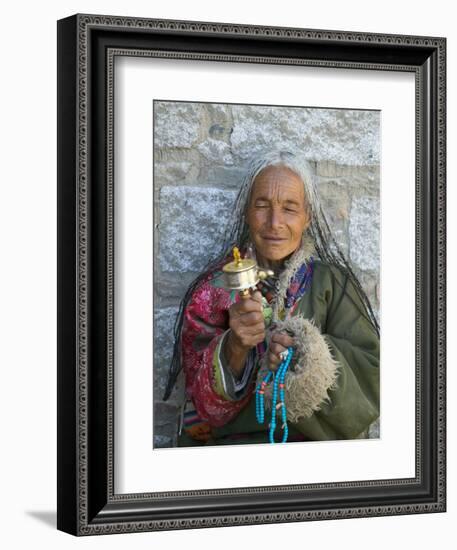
(333, 390)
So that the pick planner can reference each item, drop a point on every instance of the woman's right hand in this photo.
(246, 322)
(247, 329)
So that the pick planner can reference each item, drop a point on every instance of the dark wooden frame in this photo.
(87, 46)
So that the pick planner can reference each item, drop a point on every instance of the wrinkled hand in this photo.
(279, 342)
(246, 323)
(247, 329)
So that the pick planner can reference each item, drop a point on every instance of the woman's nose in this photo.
(276, 218)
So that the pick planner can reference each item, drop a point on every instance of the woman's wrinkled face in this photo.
(277, 213)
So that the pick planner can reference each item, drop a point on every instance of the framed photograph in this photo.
(251, 274)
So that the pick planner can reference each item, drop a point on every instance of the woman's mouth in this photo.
(272, 238)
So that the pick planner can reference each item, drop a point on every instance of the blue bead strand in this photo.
(282, 378)
(278, 387)
(259, 397)
(279, 382)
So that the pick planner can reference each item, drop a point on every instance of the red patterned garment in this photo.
(206, 319)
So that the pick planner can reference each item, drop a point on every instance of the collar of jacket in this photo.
(291, 266)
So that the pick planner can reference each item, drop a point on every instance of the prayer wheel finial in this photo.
(236, 255)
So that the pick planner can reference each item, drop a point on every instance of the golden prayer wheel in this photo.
(243, 274)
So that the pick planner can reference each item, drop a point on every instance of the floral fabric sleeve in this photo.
(205, 324)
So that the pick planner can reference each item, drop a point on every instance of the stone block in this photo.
(164, 320)
(218, 113)
(364, 227)
(163, 441)
(335, 201)
(169, 288)
(175, 166)
(166, 420)
(216, 151)
(193, 223)
(218, 121)
(165, 413)
(224, 177)
(327, 169)
(364, 181)
(343, 136)
(176, 124)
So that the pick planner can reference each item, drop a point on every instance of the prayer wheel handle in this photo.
(245, 294)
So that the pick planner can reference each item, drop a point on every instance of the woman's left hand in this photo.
(279, 342)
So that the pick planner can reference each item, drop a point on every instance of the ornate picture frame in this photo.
(87, 500)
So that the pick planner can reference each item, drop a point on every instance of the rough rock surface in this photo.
(184, 211)
(345, 136)
(364, 229)
(176, 124)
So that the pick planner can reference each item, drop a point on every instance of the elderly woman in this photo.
(313, 306)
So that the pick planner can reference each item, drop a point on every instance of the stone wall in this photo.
(200, 156)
